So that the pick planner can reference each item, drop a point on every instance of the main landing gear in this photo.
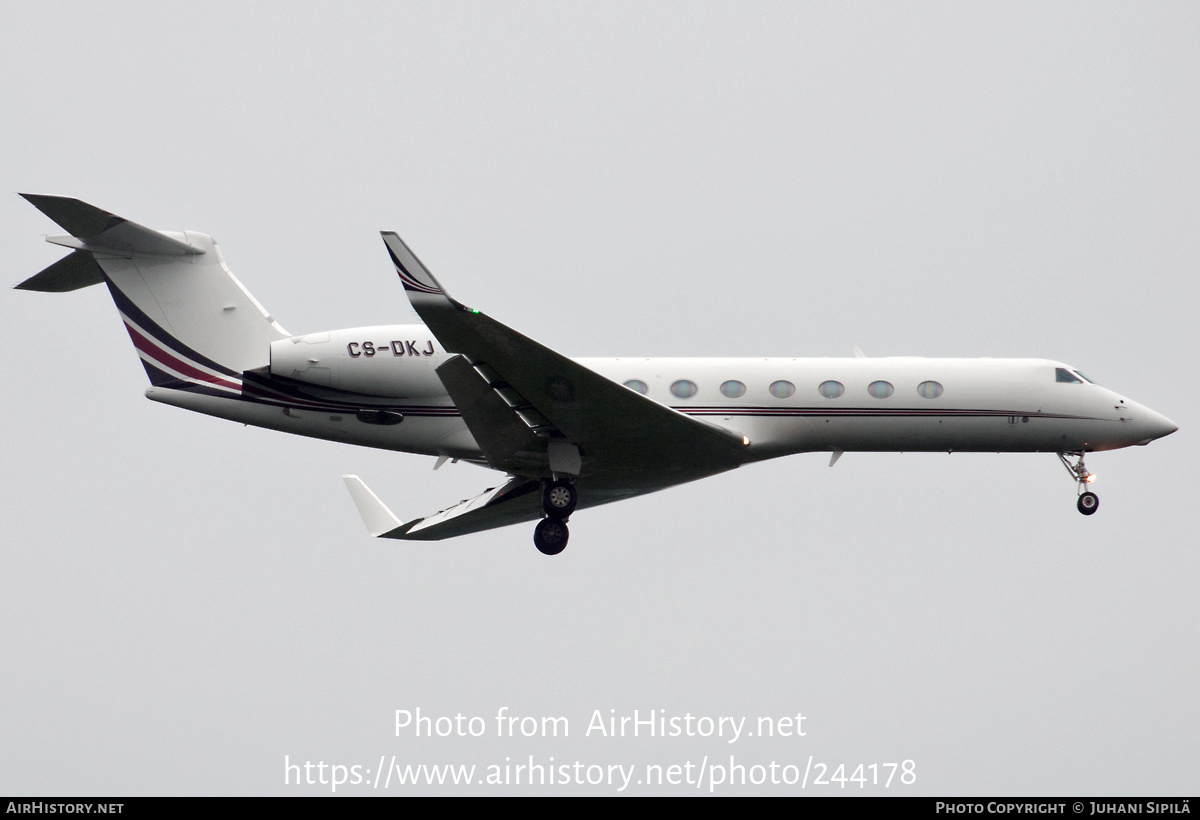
(1088, 501)
(559, 498)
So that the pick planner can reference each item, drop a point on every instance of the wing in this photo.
(586, 424)
(514, 502)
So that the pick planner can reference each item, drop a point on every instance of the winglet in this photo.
(378, 518)
(415, 277)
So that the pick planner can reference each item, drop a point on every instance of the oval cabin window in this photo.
(929, 390)
(733, 389)
(638, 386)
(782, 389)
(831, 389)
(880, 389)
(684, 389)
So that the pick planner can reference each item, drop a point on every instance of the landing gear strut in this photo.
(559, 498)
(1088, 502)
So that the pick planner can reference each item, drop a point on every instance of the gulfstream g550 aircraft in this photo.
(568, 432)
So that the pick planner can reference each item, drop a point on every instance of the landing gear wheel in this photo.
(1088, 502)
(559, 499)
(550, 536)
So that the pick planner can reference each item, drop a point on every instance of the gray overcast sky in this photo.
(184, 601)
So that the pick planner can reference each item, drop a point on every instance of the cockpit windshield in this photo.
(1064, 375)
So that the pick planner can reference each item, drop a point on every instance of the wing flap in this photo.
(506, 440)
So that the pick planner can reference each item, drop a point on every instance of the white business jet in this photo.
(568, 432)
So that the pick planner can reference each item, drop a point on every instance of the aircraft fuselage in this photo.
(782, 405)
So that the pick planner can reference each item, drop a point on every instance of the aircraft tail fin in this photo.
(192, 322)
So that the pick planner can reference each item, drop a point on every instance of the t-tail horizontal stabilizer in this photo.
(94, 229)
(517, 501)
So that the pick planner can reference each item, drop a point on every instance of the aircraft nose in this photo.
(1151, 425)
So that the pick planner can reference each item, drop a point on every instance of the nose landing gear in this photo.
(559, 498)
(1088, 501)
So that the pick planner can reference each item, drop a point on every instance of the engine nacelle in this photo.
(396, 361)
